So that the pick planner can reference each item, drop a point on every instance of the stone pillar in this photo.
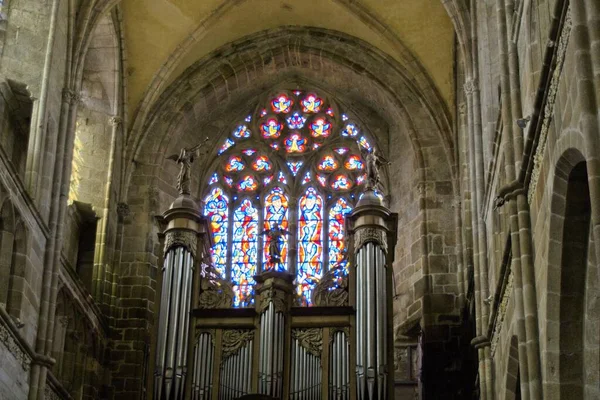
(184, 226)
(373, 228)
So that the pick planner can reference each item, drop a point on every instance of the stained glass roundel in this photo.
(302, 169)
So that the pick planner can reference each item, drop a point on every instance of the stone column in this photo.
(373, 228)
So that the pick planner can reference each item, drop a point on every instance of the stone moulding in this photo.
(506, 295)
(548, 112)
(50, 393)
(14, 347)
(365, 235)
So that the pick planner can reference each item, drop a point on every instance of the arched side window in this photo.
(279, 188)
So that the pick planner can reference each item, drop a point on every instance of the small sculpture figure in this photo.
(186, 158)
(373, 160)
(275, 235)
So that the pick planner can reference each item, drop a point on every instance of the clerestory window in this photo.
(279, 189)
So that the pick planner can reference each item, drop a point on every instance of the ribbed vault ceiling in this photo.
(156, 31)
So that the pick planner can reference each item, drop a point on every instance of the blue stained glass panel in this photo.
(310, 244)
(276, 216)
(242, 132)
(244, 252)
(226, 145)
(337, 245)
(307, 178)
(296, 121)
(295, 166)
(216, 204)
(364, 143)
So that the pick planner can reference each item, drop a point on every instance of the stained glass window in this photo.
(295, 166)
(295, 144)
(228, 143)
(244, 255)
(296, 121)
(311, 104)
(341, 182)
(350, 130)
(281, 178)
(235, 164)
(282, 104)
(307, 178)
(354, 162)
(276, 217)
(262, 163)
(271, 129)
(242, 132)
(248, 184)
(307, 153)
(322, 180)
(337, 212)
(216, 211)
(320, 128)
(310, 244)
(364, 143)
(328, 163)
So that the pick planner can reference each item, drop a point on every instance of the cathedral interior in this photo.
(300, 199)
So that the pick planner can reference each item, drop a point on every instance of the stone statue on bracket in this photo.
(373, 160)
(185, 159)
(275, 235)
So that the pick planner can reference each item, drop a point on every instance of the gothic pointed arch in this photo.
(279, 185)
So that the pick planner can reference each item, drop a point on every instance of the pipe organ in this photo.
(339, 348)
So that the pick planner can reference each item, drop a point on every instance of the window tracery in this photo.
(279, 189)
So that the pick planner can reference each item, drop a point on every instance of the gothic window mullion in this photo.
(261, 241)
(325, 266)
(230, 209)
(293, 237)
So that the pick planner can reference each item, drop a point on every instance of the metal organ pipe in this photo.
(371, 325)
(203, 367)
(339, 368)
(173, 325)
